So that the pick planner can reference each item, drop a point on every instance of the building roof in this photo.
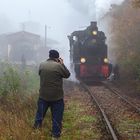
(23, 33)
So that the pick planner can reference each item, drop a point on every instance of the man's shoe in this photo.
(55, 138)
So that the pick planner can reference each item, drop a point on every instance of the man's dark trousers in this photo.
(57, 109)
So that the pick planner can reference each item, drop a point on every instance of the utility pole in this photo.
(29, 15)
(45, 35)
(23, 26)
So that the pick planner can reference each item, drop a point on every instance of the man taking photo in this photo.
(51, 93)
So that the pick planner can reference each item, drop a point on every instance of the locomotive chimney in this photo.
(93, 25)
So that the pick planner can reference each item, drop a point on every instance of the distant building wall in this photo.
(17, 45)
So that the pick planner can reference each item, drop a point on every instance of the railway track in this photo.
(105, 119)
(118, 93)
(121, 117)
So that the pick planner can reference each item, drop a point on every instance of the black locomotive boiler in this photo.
(88, 54)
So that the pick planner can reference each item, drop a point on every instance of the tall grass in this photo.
(17, 108)
(17, 112)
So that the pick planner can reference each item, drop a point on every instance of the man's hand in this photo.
(61, 61)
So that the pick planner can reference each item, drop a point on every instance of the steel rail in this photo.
(123, 98)
(106, 120)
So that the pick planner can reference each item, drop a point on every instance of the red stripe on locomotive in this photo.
(89, 70)
(105, 70)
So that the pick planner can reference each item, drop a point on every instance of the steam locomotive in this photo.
(88, 54)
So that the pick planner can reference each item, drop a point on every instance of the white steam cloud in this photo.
(94, 9)
(102, 6)
(85, 7)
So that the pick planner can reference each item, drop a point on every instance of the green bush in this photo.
(124, 41)
(13, 79)
(130, 69)
(30, 80)
(9, 80)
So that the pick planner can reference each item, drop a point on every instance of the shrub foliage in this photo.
(124, 24)
(14, 79)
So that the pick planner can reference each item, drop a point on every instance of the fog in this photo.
(61, 17)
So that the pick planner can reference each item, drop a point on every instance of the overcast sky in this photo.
(61, 16)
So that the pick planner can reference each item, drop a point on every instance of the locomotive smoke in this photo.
(94, 9)
(84, 7)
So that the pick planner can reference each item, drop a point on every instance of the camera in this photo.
(59, 60)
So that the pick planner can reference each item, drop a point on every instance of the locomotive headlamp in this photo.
(83, 60)
(105, 60)
(94, 32)
(75, 38)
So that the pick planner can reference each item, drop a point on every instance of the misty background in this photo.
(60, 17)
